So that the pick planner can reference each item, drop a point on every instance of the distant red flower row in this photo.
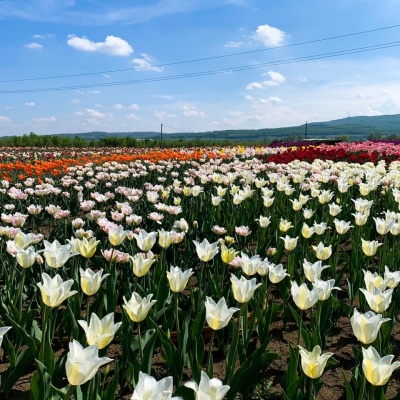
(352, 154)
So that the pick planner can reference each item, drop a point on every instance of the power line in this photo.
(176, 129)
(202, 59)
(211, 72)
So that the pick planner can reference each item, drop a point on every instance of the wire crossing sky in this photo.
(71, 66)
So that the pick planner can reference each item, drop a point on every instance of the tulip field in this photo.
(157, 274)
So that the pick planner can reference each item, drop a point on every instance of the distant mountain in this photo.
(102, 135)
(355, 128)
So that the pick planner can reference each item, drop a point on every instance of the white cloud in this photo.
(119, 106)
(132, 117)
(45, 119)
(75, 101)
(368, 111)
(113, 45)
(190, 111)
(162, 114)
(276, 80)
(271, 100)
(233, 44)
(276, 77)
(269, 36)
(36, 37)
(3, 118)
(145, 63)
(33, 46)
(88, 112)
(107, 76)
(29, 104)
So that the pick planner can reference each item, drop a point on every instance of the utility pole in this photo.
(305, 133)
(161, 136)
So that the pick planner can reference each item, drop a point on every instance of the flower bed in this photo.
(243, 241)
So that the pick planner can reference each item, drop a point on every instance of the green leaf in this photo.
(171, 354)
(72, 328)
(305, 333)
(294, 389)
(162, 293)
(29, 340)
(148, 349)
(24, 359)
(109, 393)
(232, 354)
(186, 393)
(196, 355)
(60, 393)
(349, 391)
(59, 369)
(198, 324)
(245, 376)
(9, 349)
(291, 374)
(40, 387)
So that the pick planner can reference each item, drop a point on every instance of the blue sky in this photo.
(70, 66)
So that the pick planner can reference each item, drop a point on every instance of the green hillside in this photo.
(356, 128)
(353, 128)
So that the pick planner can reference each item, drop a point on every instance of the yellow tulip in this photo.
(218, 314)
(377, 369)
(313, 362)
(82, 364)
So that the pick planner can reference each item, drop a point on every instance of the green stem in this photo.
(92, 388)
(87, 309)
(44, 332)
(140, 343)
(177, 316)
(268, 292)
(70, 390)
(21, 293)
(209, 358)
(361, 393)
(311, 390)
(244, 324)
(319, 310)
(300, 323)
(239, 319)
(372, 392)
(11, 281)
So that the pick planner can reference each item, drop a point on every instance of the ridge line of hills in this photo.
(351, 128)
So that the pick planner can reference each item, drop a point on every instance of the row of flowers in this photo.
(37, 163)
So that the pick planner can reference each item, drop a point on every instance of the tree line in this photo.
(34, 140)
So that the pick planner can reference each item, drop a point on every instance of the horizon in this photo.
(76, 67)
